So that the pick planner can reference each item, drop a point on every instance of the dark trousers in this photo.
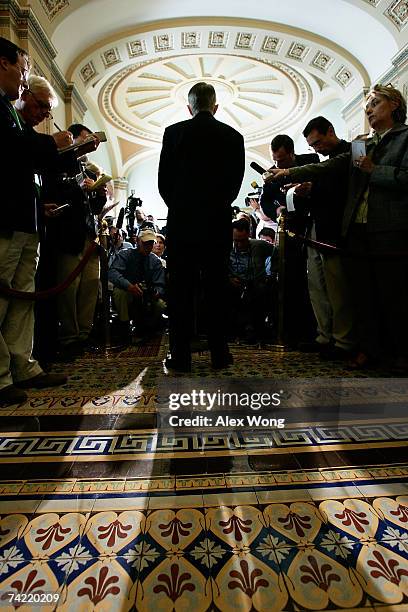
(205, 267)
(379, 284)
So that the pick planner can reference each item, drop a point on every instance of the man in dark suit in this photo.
(200, 174)
(299, 322)
(26, 153)
(72, 234)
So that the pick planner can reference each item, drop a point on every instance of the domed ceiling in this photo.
(273, 64)
(256, 98)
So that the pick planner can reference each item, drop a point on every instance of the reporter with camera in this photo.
(72, 234)
(248, 282)
(138, 279)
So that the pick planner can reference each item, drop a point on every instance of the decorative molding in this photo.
(53, 7)
(344, 76)
(26, 23)
(271, 44)
(322, 61)
(72, 95)
(355, 104)
(298, 51)
(37, 70)
(218, 40)
(136, 47)
(57, 80)
(399, 64)
(88, 72)
(245, 40)
(106, 103)
(304, 99)
(373, 3)
(120, 183)
(163, 42)
(190, 40)
(398, 13)
(111, 57)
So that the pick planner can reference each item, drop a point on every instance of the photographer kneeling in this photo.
(249, 289)
(138, 279)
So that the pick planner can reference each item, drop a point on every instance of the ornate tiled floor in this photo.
(100, 510)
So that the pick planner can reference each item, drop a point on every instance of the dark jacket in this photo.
(272, 197)
(254, 268)
(388, 183)
(25, 152)
(200, 175)
(327, 204)
(75, 224)
(130, 267)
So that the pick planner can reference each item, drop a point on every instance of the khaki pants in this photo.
(76, 305)
(130, 307)
(330, 296)
(18, 263)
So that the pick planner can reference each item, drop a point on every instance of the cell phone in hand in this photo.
(60, 208)
(358, 149)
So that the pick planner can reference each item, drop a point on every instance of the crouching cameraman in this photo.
(249, 287)
(138, 279)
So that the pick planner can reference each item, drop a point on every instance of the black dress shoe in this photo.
(335, 353)
(42, 381)
(12, 395)
(222, 361)
(177, 365)
(313, 347)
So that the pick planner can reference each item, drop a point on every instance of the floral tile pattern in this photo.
(349, 553)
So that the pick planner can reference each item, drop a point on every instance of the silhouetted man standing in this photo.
(200, 174)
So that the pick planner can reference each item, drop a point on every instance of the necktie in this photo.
(16, 117)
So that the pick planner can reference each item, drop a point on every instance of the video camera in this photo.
(254, 195)
(131, 205)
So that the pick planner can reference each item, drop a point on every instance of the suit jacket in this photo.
(25, 152)
(68, 232)
(388, 183)
(327, 204)
(272, 197)
(200, 174)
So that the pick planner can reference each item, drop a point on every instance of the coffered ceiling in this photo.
(273, 63)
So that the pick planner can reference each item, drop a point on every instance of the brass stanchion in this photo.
(280, 345)
(105, 345)
(103, 258)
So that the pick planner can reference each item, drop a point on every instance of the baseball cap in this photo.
(146, 235)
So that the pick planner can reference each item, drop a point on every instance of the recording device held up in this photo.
(254, 195)
(131, 205)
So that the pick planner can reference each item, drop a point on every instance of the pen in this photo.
(58, 128)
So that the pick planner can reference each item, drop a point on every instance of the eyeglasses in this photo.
(46, 108)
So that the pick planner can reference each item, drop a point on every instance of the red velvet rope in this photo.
(43, 295)
(323, 246)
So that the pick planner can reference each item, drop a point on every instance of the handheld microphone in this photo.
(257, 167)
(119, 221)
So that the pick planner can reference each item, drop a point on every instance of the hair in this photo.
(162, 237)
(321, 124)
(77, 128)
(268, 231)
(283, 140)
(92, 167)
(201, 97)
(11, 51)
(38, 84)
(393, 95)
(242, 225)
